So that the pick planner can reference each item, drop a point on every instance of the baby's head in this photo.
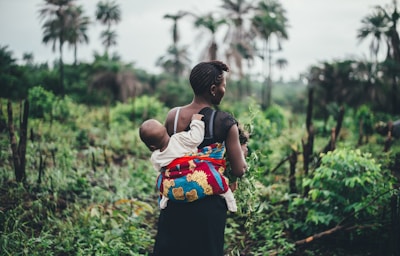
(153, 134)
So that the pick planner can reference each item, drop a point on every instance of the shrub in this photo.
(137, 110)
(41, 102)
(347, 183)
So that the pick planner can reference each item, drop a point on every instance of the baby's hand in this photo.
(197, 116)
(233, 186)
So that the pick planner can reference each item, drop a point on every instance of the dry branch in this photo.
(319, 235)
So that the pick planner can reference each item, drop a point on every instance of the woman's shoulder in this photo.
(225, 116)
(169, 121)
(172, 111)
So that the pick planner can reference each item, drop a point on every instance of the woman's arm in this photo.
(234, 152)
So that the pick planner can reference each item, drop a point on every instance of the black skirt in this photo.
(192, 229)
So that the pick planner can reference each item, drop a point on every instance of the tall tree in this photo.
(374, 25)
(11, 76)
(77, 29)
(281, 63)
(381, 25)
(211, 24)
(238, 12)
(176, 57)
(108, 13)
(175, 30)
(108, 39)
(55, 15)
(28, 58)
(175, 61)
(270, 22)
(393, 56)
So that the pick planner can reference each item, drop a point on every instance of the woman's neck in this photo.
(200, 102)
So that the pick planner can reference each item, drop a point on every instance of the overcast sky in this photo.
(320, 30)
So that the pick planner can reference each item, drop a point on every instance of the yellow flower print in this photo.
(201, 178)
(192, 195)
(178, 193)
(167, 184)
(192, 165)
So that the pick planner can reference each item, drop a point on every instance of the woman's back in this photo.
(217, 123)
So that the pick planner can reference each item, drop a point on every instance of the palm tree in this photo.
(109, 38)
(382, 26)
(373, 25)
(77, 29)
(238, 34)
(211, 24)
(108, 13)
(392, 33)
(175, 61)
(28, 58)
(393, 57)
(54, 12)
(175, 31)
(176, 58)
(270, 21)
(281, 63)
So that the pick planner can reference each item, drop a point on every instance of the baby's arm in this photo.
(195, 135)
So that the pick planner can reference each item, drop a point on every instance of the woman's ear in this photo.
(213, 89)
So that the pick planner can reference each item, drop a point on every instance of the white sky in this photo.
(320, 30)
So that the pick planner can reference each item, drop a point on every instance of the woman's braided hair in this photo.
(205, 74)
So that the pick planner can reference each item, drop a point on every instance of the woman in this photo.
(197, 228)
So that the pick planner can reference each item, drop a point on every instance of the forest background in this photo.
(324, 149)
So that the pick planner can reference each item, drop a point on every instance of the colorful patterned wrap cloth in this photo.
(192, 177)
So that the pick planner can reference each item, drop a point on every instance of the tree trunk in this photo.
(309, 145)
(395, 109)
(335, 132)
(292, 174)
(61, 63)
(75, 54)
(389, 138)
(23, 136)
(18, 150)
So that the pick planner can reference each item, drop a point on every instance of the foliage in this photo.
(173, 93)
(347, 183)
(12, 76)
(366, 120)
(41, 102)
(90, 187)
(43, 224)
(257, 228)
(78, 200)
(137, 110)
(276, 115)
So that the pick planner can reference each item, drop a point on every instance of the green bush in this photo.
(276, 115)
(347, 183)
(174, 93)
(137, 110)
(41, 102)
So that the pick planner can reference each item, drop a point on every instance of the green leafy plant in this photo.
(348, 186)
(41, 102)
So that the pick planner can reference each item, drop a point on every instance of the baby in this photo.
(166, 148)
